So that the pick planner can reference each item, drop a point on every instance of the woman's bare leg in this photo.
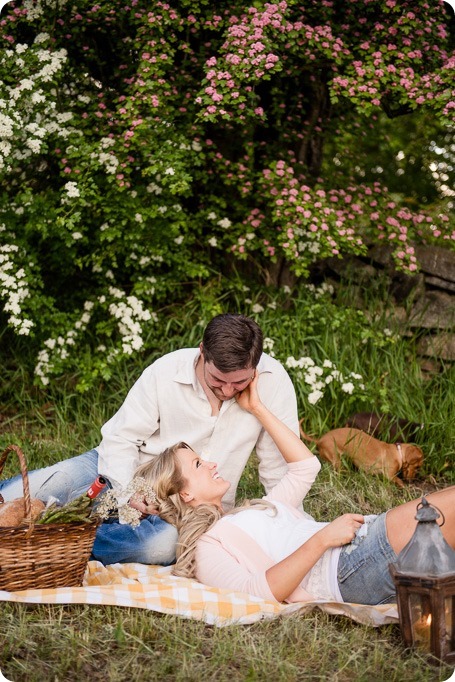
(401, 522)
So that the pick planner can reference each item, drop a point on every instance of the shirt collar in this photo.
(186, 374)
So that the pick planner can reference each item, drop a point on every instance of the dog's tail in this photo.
(304, 435)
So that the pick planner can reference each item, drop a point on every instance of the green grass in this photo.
(54, 643)
(41, 643)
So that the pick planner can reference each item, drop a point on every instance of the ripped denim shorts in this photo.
(363, 565)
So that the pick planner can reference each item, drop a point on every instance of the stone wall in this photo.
(424, 304)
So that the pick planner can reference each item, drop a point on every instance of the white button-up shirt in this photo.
(167, 404)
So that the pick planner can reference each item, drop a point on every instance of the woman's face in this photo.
(203, 484)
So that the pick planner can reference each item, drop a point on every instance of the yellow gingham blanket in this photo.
(156, 589)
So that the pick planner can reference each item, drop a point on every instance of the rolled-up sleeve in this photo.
(293, 488)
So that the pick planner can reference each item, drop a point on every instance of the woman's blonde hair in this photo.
(164, 475)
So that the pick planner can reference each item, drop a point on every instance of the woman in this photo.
(269, 548)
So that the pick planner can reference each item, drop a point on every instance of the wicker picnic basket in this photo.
(42, 556)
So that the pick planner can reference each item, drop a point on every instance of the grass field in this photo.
(41, 643)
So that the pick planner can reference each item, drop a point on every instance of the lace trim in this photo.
(318, 579)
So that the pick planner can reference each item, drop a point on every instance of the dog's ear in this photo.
(415, 455)
(412, 460)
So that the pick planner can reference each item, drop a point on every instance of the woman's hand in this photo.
(342, 530)
(288, 573)
(249, 399)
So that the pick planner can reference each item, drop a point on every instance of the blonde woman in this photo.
(269, 548)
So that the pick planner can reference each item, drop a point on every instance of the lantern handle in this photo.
(443, 517)
(421, 504)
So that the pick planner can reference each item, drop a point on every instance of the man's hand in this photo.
(142, 506)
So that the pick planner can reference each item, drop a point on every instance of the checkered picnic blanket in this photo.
(156, 589)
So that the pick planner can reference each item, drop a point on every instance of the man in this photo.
(186, 395)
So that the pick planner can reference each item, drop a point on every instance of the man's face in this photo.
(226, 385)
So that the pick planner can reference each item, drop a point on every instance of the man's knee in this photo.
(161, 547)
(152, 542)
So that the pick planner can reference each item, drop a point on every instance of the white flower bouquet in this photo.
(116, 502)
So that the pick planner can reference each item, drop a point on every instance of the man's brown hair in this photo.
(232, 342)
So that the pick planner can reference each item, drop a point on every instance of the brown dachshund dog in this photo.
(368, 453)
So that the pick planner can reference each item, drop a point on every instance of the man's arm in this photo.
(123, 435)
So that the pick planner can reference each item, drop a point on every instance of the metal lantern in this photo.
(424, 576)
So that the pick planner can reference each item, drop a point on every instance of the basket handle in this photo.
(25, 484)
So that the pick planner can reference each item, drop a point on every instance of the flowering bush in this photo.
(318, 378)
(144, 147)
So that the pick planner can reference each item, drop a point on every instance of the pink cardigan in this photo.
(229, 558)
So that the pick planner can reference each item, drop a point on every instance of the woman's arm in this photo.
(284, 577)
(229, 558)
(287, 442)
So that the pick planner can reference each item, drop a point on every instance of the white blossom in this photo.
(153, 188)
(315, 397)
(348, 387)
(41, 37)
(72, 189)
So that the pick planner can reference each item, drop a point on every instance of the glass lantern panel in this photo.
(449, 608)
(421, 618)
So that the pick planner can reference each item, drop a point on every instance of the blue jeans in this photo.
(363, 566)
(152, 542)
(65, 480)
